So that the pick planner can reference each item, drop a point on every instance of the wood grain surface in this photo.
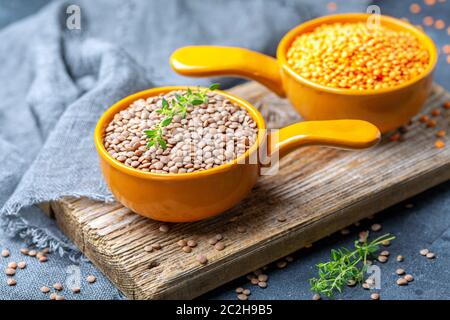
(317, 190)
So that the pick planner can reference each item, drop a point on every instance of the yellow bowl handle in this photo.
(347, 134)
(205, 61)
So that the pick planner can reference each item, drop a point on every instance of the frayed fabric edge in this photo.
(15, 225)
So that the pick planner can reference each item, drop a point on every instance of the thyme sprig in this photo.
(345, 265)
(179, 107)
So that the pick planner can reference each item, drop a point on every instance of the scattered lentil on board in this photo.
(192, 243)
(400, 258)
(239, 290)
(358, 57)
(424, 252)
(247, 292)
(385, 253)
(202, 259)
(11, 282)
(262, 284)
(5, 253)
(382, 259)
(91, 279)
(219, 246)
(402, 282)
(187, 249)
(24, 251)
(316, 297)
(12, 265)
(242, 297)
(210, 135)
(164, 228)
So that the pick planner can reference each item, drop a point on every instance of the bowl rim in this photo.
(108, 115)
(288, 38)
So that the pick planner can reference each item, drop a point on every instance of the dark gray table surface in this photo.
(426, 225)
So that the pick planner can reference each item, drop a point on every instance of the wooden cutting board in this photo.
(317, 190)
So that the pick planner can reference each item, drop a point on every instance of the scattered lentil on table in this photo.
(210, 135)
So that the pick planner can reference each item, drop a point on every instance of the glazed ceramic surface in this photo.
(198, 195)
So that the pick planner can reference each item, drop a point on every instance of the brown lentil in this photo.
(182, 243)
(24, 251)
(254, 281)
(53, 296)
(58, 297)
(239, 290)
(375, 227)
(402, 282)
(22, 265)
(156, 246)
(242, 296)
(5, 253)
(241, 229)
(202, 259)
(289, 258)
(363, 235)
(57, 286)
(430, 255)
(351, 283)
(281, 218)
(10, 271)
(148, 248)
(375, 296)
(409, 278)
(424, 252)
(32, 253)
(262, 284)
(316, 297)
(386, 243)
(219, 246)
(263, 277)
(354, 56)
(400, 271)
(365, 286)
(385, 253)
(187, 249)
(345, 232)
(382, 259)
(12, 265)
(210, 135)
(400, 258)
(192, 243)
(247, 292)
(76, 290)
(281, 264)
(91, 279)
(164, 228)
(45, 289)
(43, 259)
(11, 282)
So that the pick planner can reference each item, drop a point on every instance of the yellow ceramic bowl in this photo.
(199, 195)
(386, 108)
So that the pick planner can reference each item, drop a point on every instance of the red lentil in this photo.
(439, 144)
(415, 8)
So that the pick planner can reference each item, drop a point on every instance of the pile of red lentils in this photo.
(357, 56)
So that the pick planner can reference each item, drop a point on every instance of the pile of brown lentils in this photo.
(210, 135)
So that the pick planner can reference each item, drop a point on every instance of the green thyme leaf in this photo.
(214, 86)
